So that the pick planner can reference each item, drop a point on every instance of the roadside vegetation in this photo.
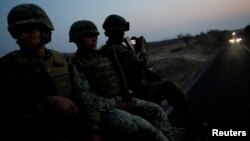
(181, 59)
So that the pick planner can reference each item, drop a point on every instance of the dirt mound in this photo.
(180, 66)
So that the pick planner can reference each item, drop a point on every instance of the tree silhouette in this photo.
(185, 38)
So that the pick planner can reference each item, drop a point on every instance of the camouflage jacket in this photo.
(132, 64)
(99, 72)
(25, 81)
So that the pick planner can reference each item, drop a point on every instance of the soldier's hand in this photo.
(62, 104)
(124, 105)
(140, 44)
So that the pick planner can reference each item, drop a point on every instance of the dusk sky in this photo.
(154, 19)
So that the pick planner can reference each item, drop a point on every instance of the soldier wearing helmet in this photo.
(105, 82)
(144, 83)
(25, 17)
(42, 94)
(80, 28)
(132, 63)
(115, 23)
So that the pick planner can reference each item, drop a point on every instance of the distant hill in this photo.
(162, 43)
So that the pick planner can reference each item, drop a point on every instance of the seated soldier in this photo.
(105, 82)
(134, 63)
(43, 97)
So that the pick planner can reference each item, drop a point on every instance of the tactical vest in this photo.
(100, 74)
(54, 68)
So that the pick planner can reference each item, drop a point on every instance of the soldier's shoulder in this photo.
(58, 56)
(8, 62)
(79, 61)
(9, 56)
(122, 49)
(103, 48)
(55, 52)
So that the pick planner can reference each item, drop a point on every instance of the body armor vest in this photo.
(44, 77)
(100, 74)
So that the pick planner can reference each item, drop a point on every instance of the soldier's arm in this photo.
(13, 105)
(138, 50)
(141, 50)
(131, 59)
(143, 57)
(90, 103)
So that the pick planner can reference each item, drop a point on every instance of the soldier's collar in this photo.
(86, 55)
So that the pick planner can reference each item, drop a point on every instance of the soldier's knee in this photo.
(157, 108)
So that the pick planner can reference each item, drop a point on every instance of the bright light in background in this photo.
(238, 40)
(235, 40)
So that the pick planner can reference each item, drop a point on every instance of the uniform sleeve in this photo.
(11, 102)
(130, 59)
(91, 104)
(143, 57)
(9, 85)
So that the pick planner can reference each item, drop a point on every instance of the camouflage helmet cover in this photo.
(115, 23)
(80, 28)
(26, 14)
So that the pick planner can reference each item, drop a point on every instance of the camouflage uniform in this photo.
(135, 71)
(27, 80)
(104, 82)
(21, 82)
(132, 64)
(145, 84)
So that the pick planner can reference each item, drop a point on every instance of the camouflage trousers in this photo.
(146, 121)
(155, 115)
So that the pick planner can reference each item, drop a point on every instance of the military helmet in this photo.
(115, 23)
(27, 14)
(80, 28)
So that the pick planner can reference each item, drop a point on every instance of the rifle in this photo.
(125, 93)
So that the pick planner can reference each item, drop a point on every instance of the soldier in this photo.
(104, 81)
(134, 64)
(42, 95)
(144, 84)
